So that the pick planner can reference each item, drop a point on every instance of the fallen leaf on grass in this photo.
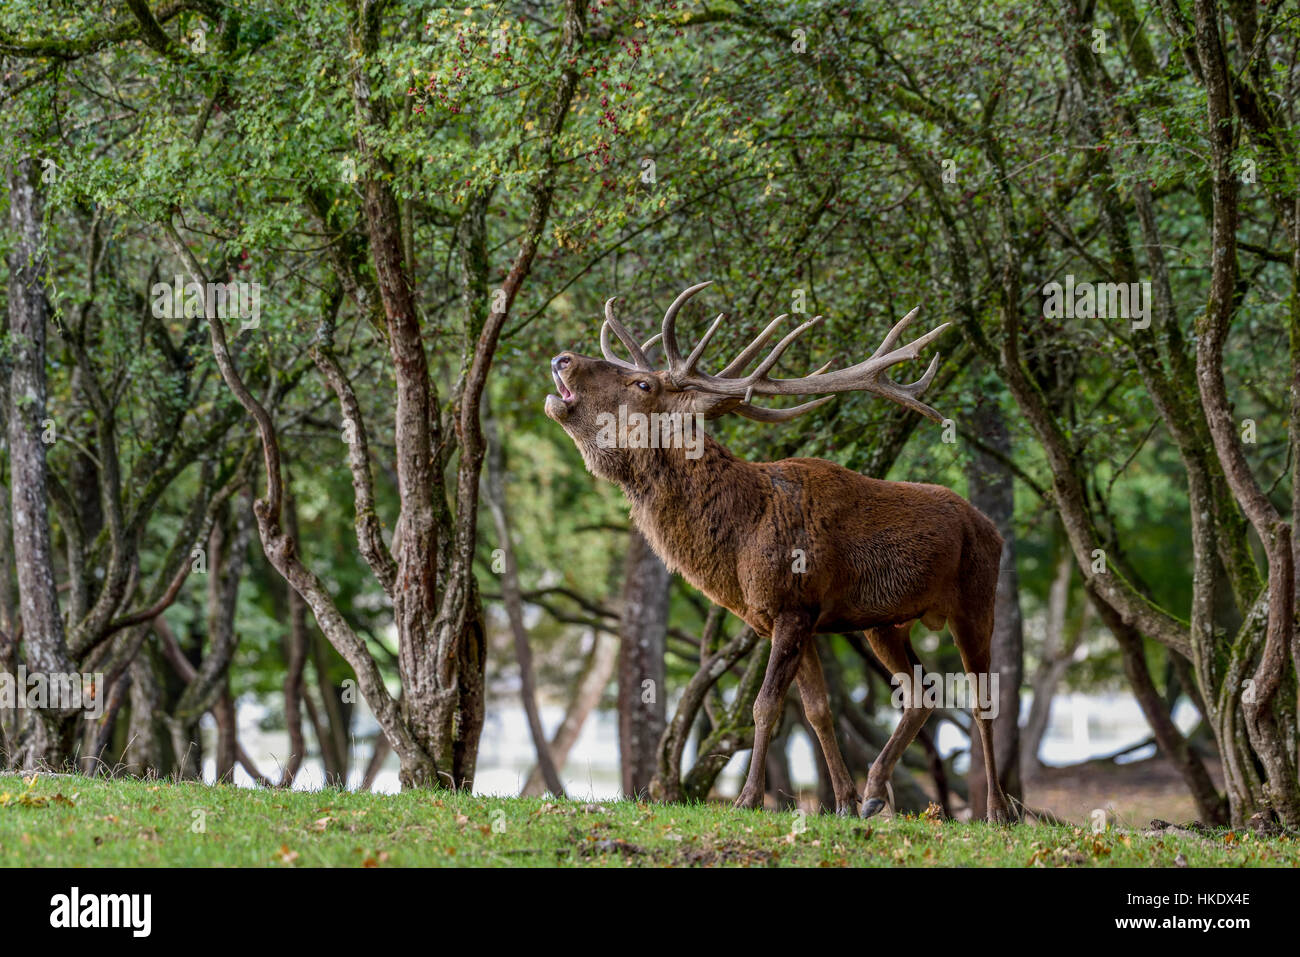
(25, 799)
(29, 798)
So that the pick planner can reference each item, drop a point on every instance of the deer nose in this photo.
(560, 361)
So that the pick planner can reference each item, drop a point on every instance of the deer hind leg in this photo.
(891, 646)
(788, 638)
(817, 708)
(973, 638)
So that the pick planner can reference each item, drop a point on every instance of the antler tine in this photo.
(639, 361)
(906, 395)
(766, 365)
(751, 350)
(923, 383)
(669, 331)
(606, 349)
(888, 342)
(698, 351)
(759, 414)
(874, 366)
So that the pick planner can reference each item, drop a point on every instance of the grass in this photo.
(96, 822)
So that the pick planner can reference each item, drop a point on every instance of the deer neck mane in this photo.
(696, 511)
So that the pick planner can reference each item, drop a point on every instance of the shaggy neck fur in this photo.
(695, 512)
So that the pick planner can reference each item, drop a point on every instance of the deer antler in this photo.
(866, 376)
(639, 361)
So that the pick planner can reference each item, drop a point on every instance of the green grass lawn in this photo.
(75, 821)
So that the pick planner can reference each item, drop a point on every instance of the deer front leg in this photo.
(817, 708)
(788, 637)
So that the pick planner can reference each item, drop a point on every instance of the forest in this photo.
(286, 284)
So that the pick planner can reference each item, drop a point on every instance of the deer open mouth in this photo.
(565, 392)
(559, 406)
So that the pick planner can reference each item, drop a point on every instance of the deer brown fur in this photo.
(796, 547)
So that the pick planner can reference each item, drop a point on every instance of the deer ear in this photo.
(709, 405)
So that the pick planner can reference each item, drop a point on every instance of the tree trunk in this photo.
(1055, 658)
(227, 555)
(733, 726)
(8, 616)
(642, 641)
(1271, 635)
(992, 491)
(334, 727)
(297, 643)
(143, 755)
(226, 755)
(44, 640)
(1210, 805)
(727, 725)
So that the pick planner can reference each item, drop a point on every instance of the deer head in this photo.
(602, 403)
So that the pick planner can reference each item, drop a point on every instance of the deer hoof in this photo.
(871, 807)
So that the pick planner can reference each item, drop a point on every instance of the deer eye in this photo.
(643, 385)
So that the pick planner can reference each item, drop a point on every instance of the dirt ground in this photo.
(1135, 792)
(1132, 794)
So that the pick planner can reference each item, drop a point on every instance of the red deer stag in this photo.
(796, 547)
